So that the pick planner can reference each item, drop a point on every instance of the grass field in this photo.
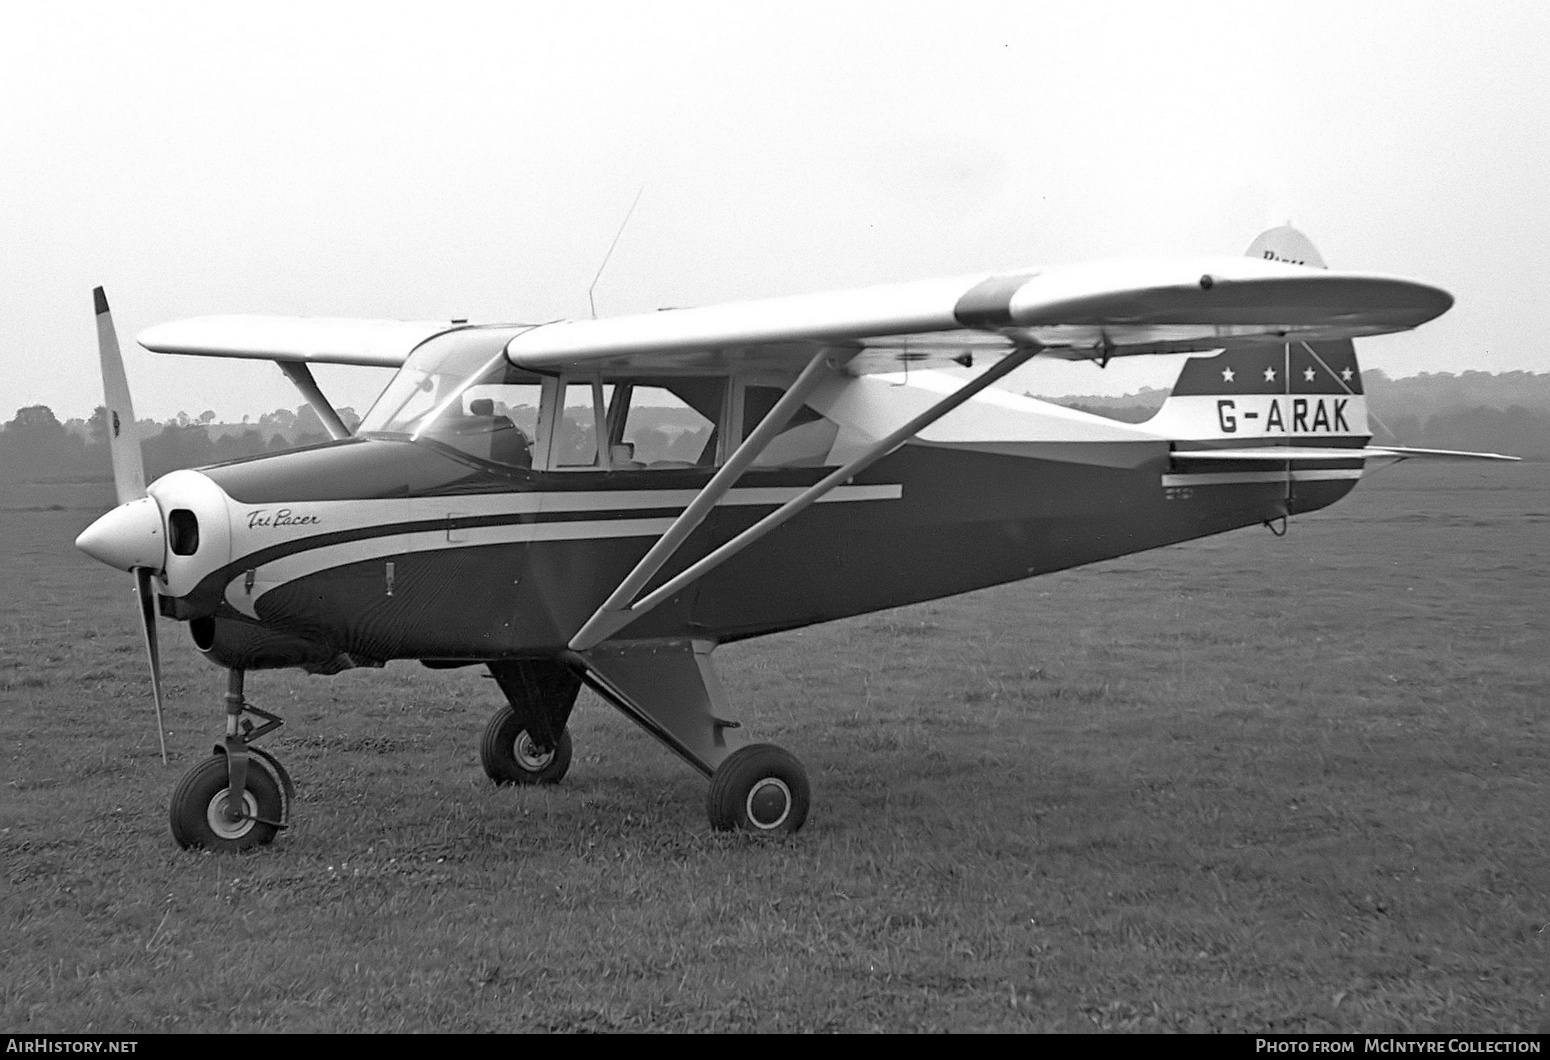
(1245, 784)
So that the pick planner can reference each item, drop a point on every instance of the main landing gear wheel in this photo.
(759, 788)
(200, 811)
(510, 755)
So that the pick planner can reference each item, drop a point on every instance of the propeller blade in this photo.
(129, 483)
(148, 625)
(123, 441)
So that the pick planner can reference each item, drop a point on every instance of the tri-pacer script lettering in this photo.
(283, 517)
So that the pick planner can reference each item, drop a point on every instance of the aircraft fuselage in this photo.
(376, 549)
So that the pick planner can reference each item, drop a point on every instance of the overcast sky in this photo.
(438, 160)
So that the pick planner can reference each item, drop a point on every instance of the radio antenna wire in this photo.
(630, 213)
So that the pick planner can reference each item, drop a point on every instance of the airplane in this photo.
(604, 502)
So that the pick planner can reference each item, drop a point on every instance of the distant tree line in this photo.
(1515, 431)
(1503, 413)
(1507, 412)
(36, 447)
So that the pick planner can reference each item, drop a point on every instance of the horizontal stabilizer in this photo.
(1400, 452)
(1278, 454)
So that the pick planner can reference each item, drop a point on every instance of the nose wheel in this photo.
(204, 816)
(240, 797)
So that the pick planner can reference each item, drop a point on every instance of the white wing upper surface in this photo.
(1095, 310)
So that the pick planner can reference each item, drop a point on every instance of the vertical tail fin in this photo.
(1286, 244)
(1297, 394)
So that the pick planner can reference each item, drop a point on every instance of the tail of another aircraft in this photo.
(1298, 394)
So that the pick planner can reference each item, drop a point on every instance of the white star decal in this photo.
(1270, 375)
(1307, 373)
(1226, 375)
(1346, 375)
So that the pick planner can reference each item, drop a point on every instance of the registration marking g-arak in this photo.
(1308, 416)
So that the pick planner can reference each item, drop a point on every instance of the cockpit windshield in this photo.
(459, 389)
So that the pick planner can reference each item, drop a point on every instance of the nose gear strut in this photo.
(205, 812)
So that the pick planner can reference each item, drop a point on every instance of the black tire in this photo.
(198, 805)
(281, 774)
(759, 788)
(508, 756)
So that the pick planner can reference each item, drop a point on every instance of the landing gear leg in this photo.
(526, 742)
(671, 691)
(204, 811)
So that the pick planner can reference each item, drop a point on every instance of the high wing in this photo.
(1089, 311)
(1095, 310)
(295, 340)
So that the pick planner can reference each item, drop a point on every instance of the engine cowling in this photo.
(238, 644)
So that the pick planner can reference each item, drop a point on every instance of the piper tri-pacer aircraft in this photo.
(603, 502)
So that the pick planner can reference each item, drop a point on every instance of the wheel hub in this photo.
(528, 756)
(220, 822)
(769, 803)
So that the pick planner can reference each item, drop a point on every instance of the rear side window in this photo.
(804, 442)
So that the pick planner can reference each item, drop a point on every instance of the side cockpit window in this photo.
(577, 423)
(667, 427)
(459, 390)
(666, 424)
(636, 426)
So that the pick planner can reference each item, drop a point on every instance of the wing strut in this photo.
(299, 374)
(615, 614)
